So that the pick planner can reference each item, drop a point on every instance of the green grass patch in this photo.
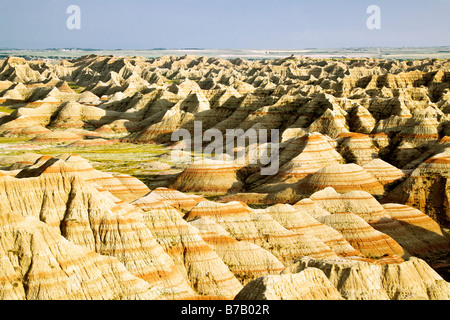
(6, 109)
(124, 158)
(115, 149)
(173, 81)
(13, 139)
(75, 87)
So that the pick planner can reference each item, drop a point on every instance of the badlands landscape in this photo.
(98, 201)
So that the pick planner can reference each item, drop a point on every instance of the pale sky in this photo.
(220, 24)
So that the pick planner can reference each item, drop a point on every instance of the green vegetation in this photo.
(6, 109)
(173, 81)
(13, 139)
(75, 87)
(122, 157)
(126, 158)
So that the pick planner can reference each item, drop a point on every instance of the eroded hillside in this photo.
(100, 201)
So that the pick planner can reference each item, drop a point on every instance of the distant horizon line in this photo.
(195, 48)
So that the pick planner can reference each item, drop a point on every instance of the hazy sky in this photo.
(240, 24)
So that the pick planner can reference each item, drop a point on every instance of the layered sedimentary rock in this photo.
(343, 178)
(423, 237)
(370, 242)
(310, 207)
(220, 248)
(359, 147)
(176, 199)
(417, 233)
(309, 284)
(426, 188)
(295, 219)
(201, 265)
(124, 187)
(299, 158)
(209, 176)
(351, 224)
(30, 132)
(360, 280)
(40, 264)
(246, 260)
(245, 225)
(384, 172)
(56, 137)
(52, 192)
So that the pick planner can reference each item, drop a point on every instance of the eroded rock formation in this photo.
(356, 208)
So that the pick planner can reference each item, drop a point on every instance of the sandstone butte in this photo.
(357, 210)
